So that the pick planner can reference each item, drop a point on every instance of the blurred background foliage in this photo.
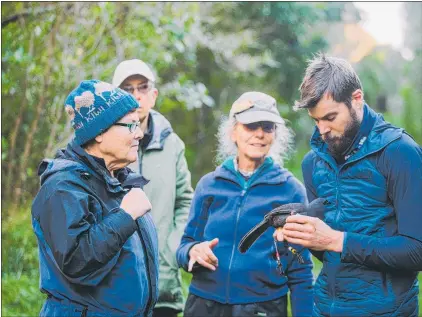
(205, 55)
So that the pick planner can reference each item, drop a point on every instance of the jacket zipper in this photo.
(242, 195)
(147, 307)
(140, 157)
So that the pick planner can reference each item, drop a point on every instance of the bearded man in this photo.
(370, 171)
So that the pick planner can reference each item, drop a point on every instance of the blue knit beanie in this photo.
(94, 106)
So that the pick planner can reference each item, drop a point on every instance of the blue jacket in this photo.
(376, 199)
(91, 252)
(225, 206)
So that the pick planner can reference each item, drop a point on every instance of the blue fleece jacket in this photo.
(225, 206)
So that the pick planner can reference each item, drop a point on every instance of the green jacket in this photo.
(163, 162)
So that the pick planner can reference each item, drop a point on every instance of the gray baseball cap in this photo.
(254, 106)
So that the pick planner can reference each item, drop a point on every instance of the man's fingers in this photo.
(278, 234)
(300, 219)
(294, 226)
(301, 242)
(294, 234)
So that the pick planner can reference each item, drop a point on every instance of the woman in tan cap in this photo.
(231, 200)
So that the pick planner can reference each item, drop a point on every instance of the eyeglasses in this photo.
(142, 88)
(132, 126)
(267, 127)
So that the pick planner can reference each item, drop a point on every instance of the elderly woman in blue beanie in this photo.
(230, 201)
(97, 242)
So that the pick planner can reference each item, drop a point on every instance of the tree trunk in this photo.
(13, 136)
(53, 135)
(34, 126)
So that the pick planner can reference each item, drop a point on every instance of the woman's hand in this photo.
(202, 254)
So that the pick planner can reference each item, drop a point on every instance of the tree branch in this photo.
(26, 13)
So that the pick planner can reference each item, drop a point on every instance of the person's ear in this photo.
(99, 138)
(233, 135)
(357, 99)
(154, 96)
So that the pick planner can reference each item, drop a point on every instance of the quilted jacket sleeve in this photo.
(401, 163)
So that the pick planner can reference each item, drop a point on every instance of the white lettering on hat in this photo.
(95, 112)
(114, 97)
(78, 125)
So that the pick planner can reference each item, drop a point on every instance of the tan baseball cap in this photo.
(254, 106)
(131, 67)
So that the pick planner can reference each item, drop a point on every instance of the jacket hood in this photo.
(161, 130)
(60, 163)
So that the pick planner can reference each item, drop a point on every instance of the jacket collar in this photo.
(92, 166)
(381, 134)
(161, 129)
(267, 173)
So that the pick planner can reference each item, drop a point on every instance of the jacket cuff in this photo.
(127, 226)
(183, 254)
(353, 248)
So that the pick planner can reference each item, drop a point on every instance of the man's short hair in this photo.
(329, 76)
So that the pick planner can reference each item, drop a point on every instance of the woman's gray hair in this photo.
(280, 149)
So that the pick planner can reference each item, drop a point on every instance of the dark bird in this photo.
(277, 218)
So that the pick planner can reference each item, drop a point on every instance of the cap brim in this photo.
(257, 116)
(118, 81)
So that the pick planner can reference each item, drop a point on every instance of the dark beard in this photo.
(339, 145)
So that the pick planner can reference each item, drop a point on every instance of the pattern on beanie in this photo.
(102, 87)
(70, 112)
(87, 99)
(94, 106)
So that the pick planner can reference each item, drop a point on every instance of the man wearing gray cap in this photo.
(228, 202)
(162, 160)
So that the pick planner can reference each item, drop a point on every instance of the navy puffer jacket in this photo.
(376, 198)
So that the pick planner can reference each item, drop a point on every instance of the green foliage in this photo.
(22, 258)
(20, 294)
(412, 114)
(204, 54)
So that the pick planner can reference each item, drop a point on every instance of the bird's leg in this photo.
(297, 254)
(280, 268)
